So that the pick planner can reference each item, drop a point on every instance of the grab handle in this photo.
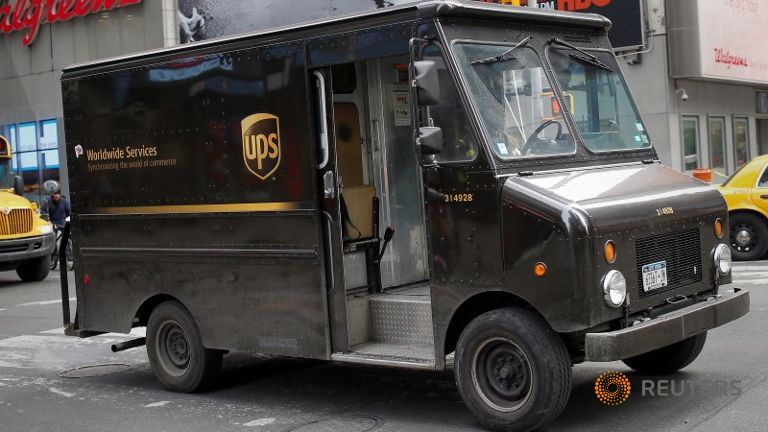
(323, 119)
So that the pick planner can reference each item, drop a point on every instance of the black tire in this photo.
(175, 349)
(749, 236)
(35, 269)
(54, 260)
(512, 370)
(669, 359)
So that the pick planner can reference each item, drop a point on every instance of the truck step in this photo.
(381, 354)
(402, 319)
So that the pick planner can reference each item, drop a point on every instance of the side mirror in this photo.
(430, 140)
(18, 185)
(427, 82)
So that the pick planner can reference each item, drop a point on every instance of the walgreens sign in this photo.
(27, 15)
(732, 40)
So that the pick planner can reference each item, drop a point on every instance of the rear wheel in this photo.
(175, 349)
(669, 359)
(35, 269)
(512, 370)
(749, 236)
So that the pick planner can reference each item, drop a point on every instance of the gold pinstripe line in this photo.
(202, 208)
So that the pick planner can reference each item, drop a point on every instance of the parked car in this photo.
(746, 193)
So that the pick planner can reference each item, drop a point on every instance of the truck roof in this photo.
(417, 10)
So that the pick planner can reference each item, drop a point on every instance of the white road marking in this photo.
(260, 422)
(58, 352)
(749, 268)
(44, 303)
(137, 331)
(750, 281)
(750, 274)
(156, 404)
(60, 392)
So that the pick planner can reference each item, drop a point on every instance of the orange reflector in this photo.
(610, 252)
(540, 269)
(719, 228)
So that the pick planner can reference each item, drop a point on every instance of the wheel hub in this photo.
(173, 348)
(502, 374)
(178, 347)
(743, 238)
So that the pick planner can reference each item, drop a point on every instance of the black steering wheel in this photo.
(534, 141)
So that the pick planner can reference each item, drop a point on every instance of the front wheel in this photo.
(35, 269)
(175, 349)
(669, 359)
(54, 260)
(749, 236)
(512, 370)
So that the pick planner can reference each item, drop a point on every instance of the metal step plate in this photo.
(401, 319)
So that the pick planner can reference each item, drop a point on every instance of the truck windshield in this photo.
(515, 100)
(598, 100)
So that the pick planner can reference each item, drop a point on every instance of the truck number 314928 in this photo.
(462, 197)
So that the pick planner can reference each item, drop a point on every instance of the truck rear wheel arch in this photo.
(477, 305)
(145, 310)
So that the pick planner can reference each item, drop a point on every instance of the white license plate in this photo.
(654, 276)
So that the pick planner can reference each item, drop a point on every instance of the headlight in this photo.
(614, 288)
(723, 259)
(45, 229)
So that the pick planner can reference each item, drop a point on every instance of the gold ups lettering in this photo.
(261, 144)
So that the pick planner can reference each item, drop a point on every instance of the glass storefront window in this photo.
(690, 143)
(35, 148)
(741, 140)
(49, 138)
(717, 161)
(27, 137)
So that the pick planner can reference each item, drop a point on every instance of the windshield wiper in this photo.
(504, 55)
(585, 57)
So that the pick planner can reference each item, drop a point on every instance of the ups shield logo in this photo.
(261, 144)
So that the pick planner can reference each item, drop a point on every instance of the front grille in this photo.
(16, 221)
(682, 252)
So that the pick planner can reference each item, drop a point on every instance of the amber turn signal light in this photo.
(719, 228)
(540, 269)
(610, 252)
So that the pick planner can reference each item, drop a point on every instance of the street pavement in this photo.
(46, 384)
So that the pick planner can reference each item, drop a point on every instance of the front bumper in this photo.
(26, 248)
(667, 329)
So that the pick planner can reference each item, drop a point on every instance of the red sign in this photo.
(29, 14)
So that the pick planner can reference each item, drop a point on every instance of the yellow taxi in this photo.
(746, 193)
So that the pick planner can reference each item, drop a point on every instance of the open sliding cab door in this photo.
(327, 171)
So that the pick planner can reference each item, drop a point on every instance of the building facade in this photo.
(30, 68)
(698, 68)
(701, 82)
